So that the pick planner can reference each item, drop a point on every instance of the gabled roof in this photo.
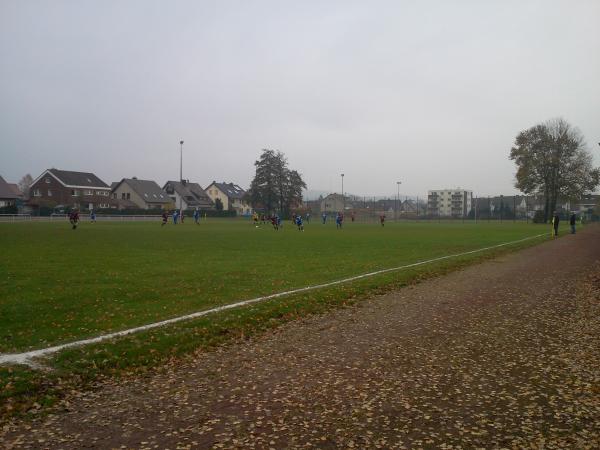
(7, 190)
(193, 193)
(74, 179)
(148, 190)
(229, 189)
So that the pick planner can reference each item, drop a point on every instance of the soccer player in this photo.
(324, 218)
(74, 218)
(299, 223)
(339, 219)
(382, 219)
(175, 216)
(197, 216)
(181, 214)
(307, 217)
(165, 218)
(255, 219)
(275, 222)
(93, 216)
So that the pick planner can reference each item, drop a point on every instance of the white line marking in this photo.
(26, 357)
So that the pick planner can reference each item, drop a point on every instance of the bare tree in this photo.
(552, 160)
(24, 185)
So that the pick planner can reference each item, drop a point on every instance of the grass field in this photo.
(60, 285)
(63, 285)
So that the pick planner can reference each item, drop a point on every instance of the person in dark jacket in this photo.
(555, 222)
(572, 222)
(74, 218)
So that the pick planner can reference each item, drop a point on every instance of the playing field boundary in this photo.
(27, 358)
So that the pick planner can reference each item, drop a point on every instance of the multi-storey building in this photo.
(231, 196)
(449, 202)
(73, 189)
(142, 194)
(186, 195)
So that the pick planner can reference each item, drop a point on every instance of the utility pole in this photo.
(180, 171)
(343, 196)
(398, 183)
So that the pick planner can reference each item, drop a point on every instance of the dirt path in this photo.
(502, 354)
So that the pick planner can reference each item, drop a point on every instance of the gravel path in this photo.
(505, 354)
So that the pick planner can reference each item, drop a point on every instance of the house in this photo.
(9, 194)
(334, 203)
(231, 197)
(132, 193)
(449, 202)
(186, 195)
(64, 187)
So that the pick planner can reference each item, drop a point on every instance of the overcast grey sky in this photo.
(431, 93)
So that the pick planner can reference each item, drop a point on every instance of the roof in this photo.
(77, 179)
(146, 189)
(6, 190)
(229, 189)
(193, 193)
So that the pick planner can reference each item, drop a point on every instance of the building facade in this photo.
(334, 203)
(186, 195)
(82, 190)
(9, 194)
(449, 202)
(142, 194)
(231, 196)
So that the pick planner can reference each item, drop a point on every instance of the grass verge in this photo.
(25, 392)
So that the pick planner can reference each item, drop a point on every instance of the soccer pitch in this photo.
(61, 285)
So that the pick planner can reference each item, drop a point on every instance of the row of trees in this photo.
(275, 187)
(552, 160)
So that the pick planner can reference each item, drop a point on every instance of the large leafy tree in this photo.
(275, 187)
(552, 160)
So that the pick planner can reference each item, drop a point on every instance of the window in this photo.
(88, 192)
(37, 193)
(128, 196)
(123, 196)
(49, 193)
(101, 192)
(74, 192)
(47, 180)
(115, 195)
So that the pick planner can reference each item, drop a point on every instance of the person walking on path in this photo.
(572, 222)
(555, 222)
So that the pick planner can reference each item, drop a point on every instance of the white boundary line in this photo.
(26, 357)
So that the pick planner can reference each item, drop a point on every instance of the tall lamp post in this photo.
(343, 197)
(398, 183)
(180, 170)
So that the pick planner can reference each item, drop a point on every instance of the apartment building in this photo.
(449, 202)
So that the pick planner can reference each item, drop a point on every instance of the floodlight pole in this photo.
(180, 170)
(343, 197)
(398, 183)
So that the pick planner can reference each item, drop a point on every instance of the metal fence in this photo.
(64, 217)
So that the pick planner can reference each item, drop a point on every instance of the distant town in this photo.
(57, 191)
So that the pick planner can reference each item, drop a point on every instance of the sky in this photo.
(428, 93)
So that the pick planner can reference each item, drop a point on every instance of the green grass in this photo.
(62, 285)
